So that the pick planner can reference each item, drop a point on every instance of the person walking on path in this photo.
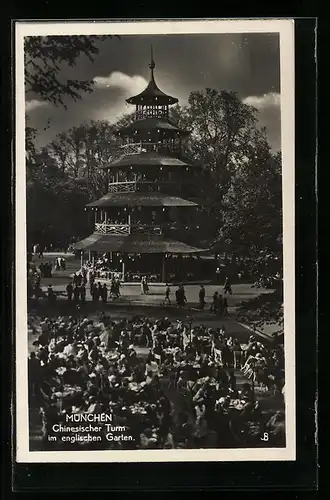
(40, 252)
(167, 299)
(227, 287)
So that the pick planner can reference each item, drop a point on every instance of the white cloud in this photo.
(129, 84)
(270, 100)
(269, 107)
(35, 104)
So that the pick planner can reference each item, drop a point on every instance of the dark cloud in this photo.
(245, 63)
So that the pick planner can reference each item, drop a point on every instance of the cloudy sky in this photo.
(245, 63)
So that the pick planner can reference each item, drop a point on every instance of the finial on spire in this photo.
(152, 62)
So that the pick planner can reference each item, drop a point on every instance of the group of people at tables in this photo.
(181, 393)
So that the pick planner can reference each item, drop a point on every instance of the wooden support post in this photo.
(123, 268)
(163, 275)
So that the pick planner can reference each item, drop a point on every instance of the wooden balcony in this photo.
(127, 229)
(136, 148)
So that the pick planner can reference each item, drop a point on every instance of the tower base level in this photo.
(130, 258)
(157, 268)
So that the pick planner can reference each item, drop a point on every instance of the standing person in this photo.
(215, 303)
(69, 291)
(220, 306)
(227, 287)
(35, 249)
(177, 296)
(237, 351)
(50, 294)
(42, 269)
(91, 282)
(40, 252)
(104, 293)
(112, 288)
(142, 285)
(94, 292)
(225, 306)
(99, 291)
(83, 293)
(63, 264)
(146, 286)
(84, 275)
(167, 299)
(201, 297)
(76, 293)
(183, 298)
(118, 285)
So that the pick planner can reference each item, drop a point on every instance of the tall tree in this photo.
(221, 126)
(82, 152)
(44, 56)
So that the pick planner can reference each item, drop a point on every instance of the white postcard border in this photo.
(285, 28)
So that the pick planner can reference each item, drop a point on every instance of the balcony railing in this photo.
(122, 187)
(145, 186)
(126, 229)
(136, 148)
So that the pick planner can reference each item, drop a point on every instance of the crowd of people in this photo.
(172, 385)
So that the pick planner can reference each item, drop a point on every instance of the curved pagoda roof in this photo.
(134, 199)
(146, 160)
(146, 124)
(135, 244)
(152, 93)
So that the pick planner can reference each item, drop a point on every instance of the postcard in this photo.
(155, 254)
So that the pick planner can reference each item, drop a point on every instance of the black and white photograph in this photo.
(155, 241)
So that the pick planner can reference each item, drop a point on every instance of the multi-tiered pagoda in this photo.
(147, 220)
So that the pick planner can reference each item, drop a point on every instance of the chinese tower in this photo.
(145, 222)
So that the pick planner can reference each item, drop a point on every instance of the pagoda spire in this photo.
(152, 64)
(152, 95)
